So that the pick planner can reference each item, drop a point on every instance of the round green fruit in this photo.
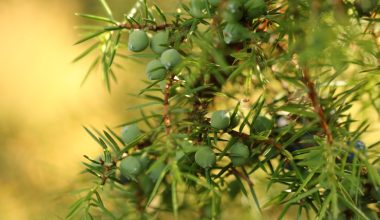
(205, 157)
(255, 8)
(220, 119)
(196, 13)
(155, 70)
(262, 124)
(199, 4)
(197, 7)
(233, 11)
(170, 58)
(235, 32)
(124, 180)
(160, 42)
(138, 41)
(239, 154)
(129, 133)
(130, 167)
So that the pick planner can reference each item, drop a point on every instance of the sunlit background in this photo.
(43, 107)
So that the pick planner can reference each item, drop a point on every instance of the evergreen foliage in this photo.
(236, 89)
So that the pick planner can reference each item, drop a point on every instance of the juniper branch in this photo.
(313, 96)
(166, 116)
(147, 27)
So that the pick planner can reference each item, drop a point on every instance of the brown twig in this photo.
(148, 27)
(106, 169)
(312, 93)
(269, 141)
(104, 176)
(373, 15)
(238, 134)
(242, 175)
(166, 116)
(338, 7)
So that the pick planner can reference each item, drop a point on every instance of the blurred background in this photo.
(43, 106)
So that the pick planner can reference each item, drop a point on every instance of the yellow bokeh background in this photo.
(43, 107)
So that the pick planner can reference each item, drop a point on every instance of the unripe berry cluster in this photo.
(159, 44)
(132, 166)
(235, 11)
(238, 152)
